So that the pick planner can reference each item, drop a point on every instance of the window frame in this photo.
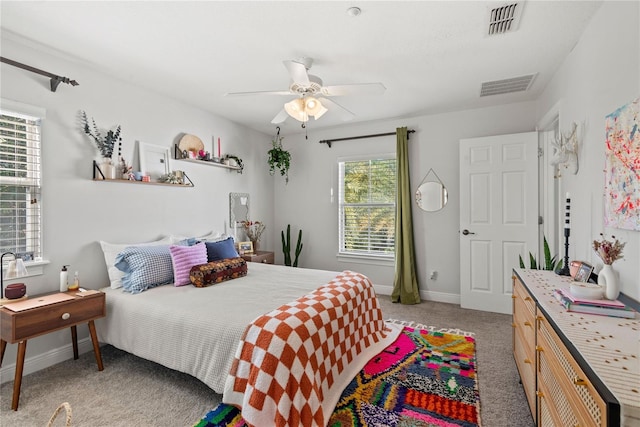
(17, 109)
(366, 257)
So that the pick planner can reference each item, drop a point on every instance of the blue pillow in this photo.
(221, 249)
(145, 267)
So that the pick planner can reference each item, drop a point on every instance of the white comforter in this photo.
(197, 330)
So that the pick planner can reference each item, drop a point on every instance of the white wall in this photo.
(305, 202)
(79, 212)
(601, 74)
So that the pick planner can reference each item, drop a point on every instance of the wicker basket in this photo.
(62, 406)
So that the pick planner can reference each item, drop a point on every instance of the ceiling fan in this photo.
(312, 96)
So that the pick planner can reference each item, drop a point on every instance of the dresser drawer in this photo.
(520, 294)
(568, 393)
(34, 322)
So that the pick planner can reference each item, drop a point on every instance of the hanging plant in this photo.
(279, 158)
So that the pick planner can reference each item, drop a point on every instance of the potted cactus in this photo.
(286, 247)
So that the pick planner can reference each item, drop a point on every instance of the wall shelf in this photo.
(177, 154)
(99, 177)
(126, 181)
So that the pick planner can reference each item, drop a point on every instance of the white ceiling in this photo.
(432, 56)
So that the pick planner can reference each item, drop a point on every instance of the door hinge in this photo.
(540, 220)
(540, 152)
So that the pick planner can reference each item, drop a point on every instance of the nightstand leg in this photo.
(17, 382)
(96, 346)
(74, 341)
(3, 346)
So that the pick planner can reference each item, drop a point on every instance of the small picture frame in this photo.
(584, 272)
(245, 247)
(154, 160)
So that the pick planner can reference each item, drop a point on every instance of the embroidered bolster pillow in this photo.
(217, 271)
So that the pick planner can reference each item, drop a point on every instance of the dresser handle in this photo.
(579, 381)
(513, 325)
(264, 261)
(514, 296)
(527, 361)
(539, 318)
(66, 316)
(527, 298)
(540, 394)
(527, 323)
(539, 348)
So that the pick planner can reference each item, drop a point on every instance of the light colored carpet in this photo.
(135, 392)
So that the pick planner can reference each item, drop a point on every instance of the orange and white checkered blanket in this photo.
(292, 364)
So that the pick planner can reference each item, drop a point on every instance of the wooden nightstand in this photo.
(20, 326)
(264, 257)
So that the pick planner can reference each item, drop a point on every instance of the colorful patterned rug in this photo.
(425, 378)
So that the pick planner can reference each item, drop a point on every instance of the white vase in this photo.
(108, 168)
(608, 279)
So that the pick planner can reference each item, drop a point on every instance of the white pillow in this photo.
(111, 250)
(211, 237)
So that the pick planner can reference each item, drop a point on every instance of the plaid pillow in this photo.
(145, 267)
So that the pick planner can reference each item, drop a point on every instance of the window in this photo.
(367, 206)
(20, 216)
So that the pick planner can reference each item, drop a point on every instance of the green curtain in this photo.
(405, 282)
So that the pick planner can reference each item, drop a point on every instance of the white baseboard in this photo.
(424, 295)
(44, 360)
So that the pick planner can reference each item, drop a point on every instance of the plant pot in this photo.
(108, 169)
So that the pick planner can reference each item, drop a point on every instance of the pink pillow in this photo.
(185, 257)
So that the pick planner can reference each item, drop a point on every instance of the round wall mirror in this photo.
(431, 195)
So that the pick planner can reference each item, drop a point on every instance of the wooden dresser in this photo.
(576, 369)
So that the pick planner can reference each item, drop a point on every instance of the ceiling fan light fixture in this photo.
(296, 109)
(320, 111)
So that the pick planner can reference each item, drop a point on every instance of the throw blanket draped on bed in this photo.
(292, 364)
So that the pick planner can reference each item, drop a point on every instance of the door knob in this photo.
(467, 232)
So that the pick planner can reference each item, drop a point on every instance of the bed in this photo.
(262, 332)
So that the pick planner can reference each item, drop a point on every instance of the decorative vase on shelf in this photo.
(256, 245)
(108, 168)
(608, 279)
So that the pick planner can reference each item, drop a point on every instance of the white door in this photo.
(498, 216)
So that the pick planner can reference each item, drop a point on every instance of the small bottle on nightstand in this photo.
(76, 283)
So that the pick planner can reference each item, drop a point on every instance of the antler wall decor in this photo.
(565, 150)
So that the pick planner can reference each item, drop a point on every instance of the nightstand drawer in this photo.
(30, 323)
(264, 257)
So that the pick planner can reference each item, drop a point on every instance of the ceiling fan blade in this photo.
(260, 92)
(280, 117)
(344, 114)
(298, 72)
(354, 89)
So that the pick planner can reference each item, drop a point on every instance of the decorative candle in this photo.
(567, 216)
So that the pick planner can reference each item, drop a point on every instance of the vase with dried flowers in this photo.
(105, 144)
(609, 251)
(253, 230)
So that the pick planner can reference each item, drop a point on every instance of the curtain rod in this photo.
(55, 79)
(329, 141)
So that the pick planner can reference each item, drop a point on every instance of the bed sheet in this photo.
(197, 330)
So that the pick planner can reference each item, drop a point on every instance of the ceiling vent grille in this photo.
(504, 18)
(499, 87)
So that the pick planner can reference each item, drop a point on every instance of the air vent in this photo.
(504, 18)
(499, 87)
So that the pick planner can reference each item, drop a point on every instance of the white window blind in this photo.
(367, 206)
(20, 182)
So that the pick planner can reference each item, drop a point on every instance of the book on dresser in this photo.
(601, 307)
